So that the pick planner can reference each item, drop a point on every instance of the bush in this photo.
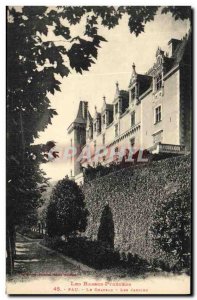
(30, 234)
(171, 228)
(91, 253)
(53, 242)
(66, 213)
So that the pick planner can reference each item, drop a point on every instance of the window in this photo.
(116, 130)
(71, 173)
(132, 141)
(94, 145)
(158, 82)
(116, 149)
(133, 94)
(94, 126)
(103, 119)
(103, 139)
(90, 132)
(133, 118)
(157, 114)
(116, 108)
(99, 125)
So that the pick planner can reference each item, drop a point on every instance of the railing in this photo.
(171, 148)
(167, 148)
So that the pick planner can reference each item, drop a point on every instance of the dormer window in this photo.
(116, 108)
(133, 94)
(103, 119)
(90, 132)
(158, 82)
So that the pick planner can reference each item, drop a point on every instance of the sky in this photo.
(114, 63)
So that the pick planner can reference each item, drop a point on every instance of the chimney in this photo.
(172, 45)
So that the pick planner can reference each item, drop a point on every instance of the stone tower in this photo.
(77, 133)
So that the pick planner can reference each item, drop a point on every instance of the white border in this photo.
(2, 107)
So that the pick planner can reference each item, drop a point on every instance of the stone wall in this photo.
(133, 194)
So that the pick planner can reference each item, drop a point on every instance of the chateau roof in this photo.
(109, 107)
(79, 118)
(121, 93)
(106, 106)
(180, 50)
(181, 53)
(96, 114)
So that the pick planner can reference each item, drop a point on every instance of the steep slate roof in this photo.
(180, 50)
(109, 107)
(181, 53)
(145, 83)
(79, 118)
(106, 106)
(177, 57)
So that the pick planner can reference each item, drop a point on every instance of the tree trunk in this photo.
(10, 249)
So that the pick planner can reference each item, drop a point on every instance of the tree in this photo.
(66, 213)
(35, 64)
(106, 228)
(171, 227)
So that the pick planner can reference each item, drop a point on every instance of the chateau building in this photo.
(153, 114)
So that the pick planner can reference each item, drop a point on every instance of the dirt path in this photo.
(39, 270)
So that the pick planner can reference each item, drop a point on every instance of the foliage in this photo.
(91, 173)
(96, 255)
(91, 253)
(35, 65)
(134, 194)
(178, 12)
(52, 224)
(106, 228)
(172, 227)
(29, 233)
(66, 212)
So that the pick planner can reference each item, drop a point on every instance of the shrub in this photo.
(91, 253)
(106, 228)
(53, 242)
(29, 233)
(171, 228)
(66, 213)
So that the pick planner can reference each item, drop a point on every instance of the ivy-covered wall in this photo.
(133, 196)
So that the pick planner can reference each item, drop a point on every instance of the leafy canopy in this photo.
(35, 65)
(66, 213)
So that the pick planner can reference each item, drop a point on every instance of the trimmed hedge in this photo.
(30, 234)
(134, 196)
(94, 254)
(91, 253)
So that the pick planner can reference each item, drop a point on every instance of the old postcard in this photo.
(99, 143)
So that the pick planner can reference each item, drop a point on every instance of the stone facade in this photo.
(154, 113)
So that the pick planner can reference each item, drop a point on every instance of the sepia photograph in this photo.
(99, 136)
